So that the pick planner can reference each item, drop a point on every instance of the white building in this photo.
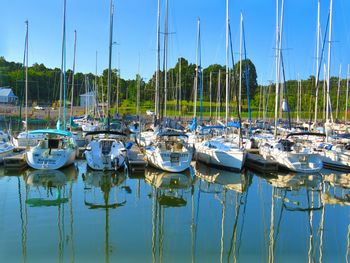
(87, 99)
(7, 96)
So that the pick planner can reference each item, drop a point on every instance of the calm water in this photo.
(204, 215)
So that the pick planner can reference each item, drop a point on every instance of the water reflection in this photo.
(46, 189)
(336, 188)
(231, 190)
(205, 215)
(169, 190)
(104, 190)
(170, 187)
(295, 193)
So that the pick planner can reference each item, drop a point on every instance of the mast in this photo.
(298, 100)
(210, 88)
(109, 80)
(329, 59)
(324, 91)
(166, 59)
(118, 81)
(63, 72)
(240, 64)
(157, 101)
(227, 69)
(72, 94)
(180, 92)
(198, 70)
(279, 27)
(318, 30)
(218, 96)
(347, 95)
(96, 88)
(339, 82)
(26, 76)
(200, 75)
(138, 90)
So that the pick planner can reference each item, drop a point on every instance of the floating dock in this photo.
(136, 161)
(258, 163)
(15, 162)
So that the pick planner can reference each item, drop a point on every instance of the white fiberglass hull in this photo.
(100, 159)
(46, 159)
(302, 162)
(168, 161)
(335, 160)
(23, 139)
(87, 127)
(6, 149)
(230, 160)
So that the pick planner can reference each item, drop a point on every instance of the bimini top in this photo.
(51, 131)
(212, 127)
(105, 132)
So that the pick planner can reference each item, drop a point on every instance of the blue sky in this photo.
(135, 32)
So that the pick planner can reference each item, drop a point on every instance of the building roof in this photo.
(6, 92)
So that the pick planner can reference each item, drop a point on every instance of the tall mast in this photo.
(227, 69)
(180, 92)
(118, 83)
(240, 64)
(317, 55)
(329, 59)
(26, 74)
(197, 71)
(324, 91)
(72, 94)
(338, 91)
(157, 101)
(347, 94)
(218, 96)
(279, 27)
(210, 89)
(109, 80)
(277, 67)
(96, 87)
(138, 90)
(166, 59)
(63, 72)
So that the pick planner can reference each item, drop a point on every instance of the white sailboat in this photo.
(165, 149)
(24, 139)
(58, 148)
(107, 152)
(223, 151)
(169, 152)
(291, 156)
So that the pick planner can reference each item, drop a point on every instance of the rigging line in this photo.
(279, 221)
(238, 207)
(244, 209)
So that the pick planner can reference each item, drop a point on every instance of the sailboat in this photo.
(222, 151)
(166, 149)
(292, 156)
(58, 148)
(107, 151)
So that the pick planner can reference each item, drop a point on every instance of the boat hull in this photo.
(232, 160)
(44, 159)
(174, 162)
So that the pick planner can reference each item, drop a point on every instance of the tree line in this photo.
(44, 86)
